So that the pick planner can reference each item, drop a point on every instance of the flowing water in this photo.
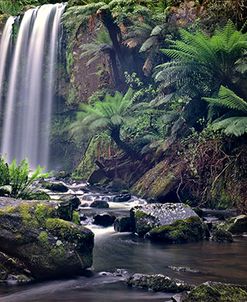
(124, 253)
(5, 48)
(31, 84)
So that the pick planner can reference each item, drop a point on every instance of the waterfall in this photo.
(5, 47)
(32, 78)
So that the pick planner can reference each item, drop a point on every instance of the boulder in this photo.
(217, 292)
(67, 205)
(122, 197)
(99, 204)
(181, 231)
(104, 219)
(153, 216)
(98, 177)
(48, 247)
(238, 225)
(123, 224)
(158, 283)
(220, 235)
(55, 186)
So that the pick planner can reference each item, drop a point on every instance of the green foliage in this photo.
(19, 177)
(234, 125)
(199, 63)
(101, 44)
(76, 218)
(4, 172)
(108, 115)
(15, 7)
(227, 98)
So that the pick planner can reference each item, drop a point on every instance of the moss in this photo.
(87, 166)
(39, 196)
(43, 238)
(158, 181)
(8, 210)
(180, 231)
(140, 214)
(63, 229)
(76, 218)
(217, 292)
(57, 252)
(24, 211)
(42, 212)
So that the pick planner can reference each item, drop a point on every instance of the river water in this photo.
(126, 252)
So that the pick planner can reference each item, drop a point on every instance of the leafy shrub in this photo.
(235, 121)
(19, 177)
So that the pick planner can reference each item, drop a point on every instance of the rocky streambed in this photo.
(42, 240)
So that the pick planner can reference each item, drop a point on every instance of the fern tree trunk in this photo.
(115, 135)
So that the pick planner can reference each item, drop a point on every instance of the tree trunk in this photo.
(115, 135)
(114, 66)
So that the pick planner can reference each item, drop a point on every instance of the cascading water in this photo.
(5, 47)
(31, 86)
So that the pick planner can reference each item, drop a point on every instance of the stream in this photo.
(117, 254)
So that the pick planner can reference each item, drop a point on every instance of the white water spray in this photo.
(31, 86)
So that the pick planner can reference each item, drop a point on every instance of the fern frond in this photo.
(227, 98)
(236, 125)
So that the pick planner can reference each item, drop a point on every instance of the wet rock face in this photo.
(47, 246)
(158, 283)
(104, 219)
(238, 225)
(181, 231)
(219, 235)
(123, 224)
(170, 222)
(100, 204)
(13, 270)
(217, 292)
(122, 198)
(66, 207)
(55, 186)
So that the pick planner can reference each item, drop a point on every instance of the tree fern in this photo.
(109, 115)
(227, 98)
(236, 125)
(198, 56)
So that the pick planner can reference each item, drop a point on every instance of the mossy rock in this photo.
(181, 231)
(39, 196)
(55, 186)
(158, 283)
(159, 181)
(238, 225)
(217, 292)
(170, 218)
(48, 246)
(123, 224)
(220, 235)
(142, 221)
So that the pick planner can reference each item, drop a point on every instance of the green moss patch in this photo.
(181, 231)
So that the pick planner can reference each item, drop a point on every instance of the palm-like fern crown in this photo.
(200, 57)
(108, 114)
(236, 124)
(228, 99)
